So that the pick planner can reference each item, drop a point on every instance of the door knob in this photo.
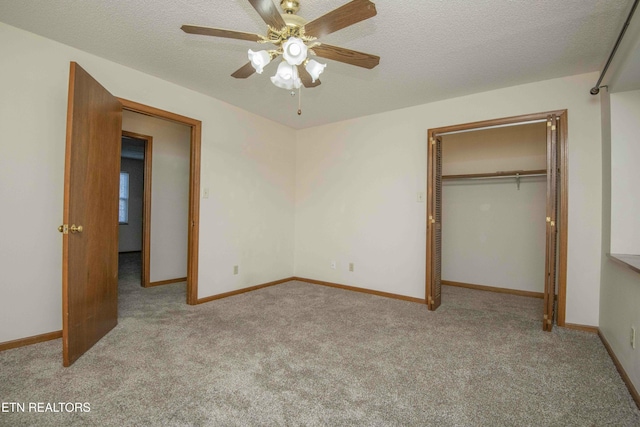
(75, 229)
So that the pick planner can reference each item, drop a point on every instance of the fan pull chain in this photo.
(299, 101)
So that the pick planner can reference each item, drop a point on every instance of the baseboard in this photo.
(243, 290)
(494, 289)
(584, 328)
(166, 282)
(30, 340)
(621, 371)
(361, 290)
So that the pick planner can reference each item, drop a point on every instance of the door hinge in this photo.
(433, 141)
(553, 127)
(431, 220)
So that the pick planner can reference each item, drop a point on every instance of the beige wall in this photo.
(247, 163)
(169, 193)
(620, 289)
(509, 148)
(357, 181)
(625, 172)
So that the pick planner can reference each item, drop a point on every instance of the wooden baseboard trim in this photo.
(621, 371)
(361, 290)
(584, 328)
(494, 289)
(243, 290)
(30, 340)
(166, 282)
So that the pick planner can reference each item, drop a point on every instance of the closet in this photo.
(495, 209)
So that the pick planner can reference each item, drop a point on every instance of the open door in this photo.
(434, 224)
(552, 218)
(90, 216)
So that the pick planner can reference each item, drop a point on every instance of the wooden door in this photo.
(434, 224)
(552, 222)
(90, 230)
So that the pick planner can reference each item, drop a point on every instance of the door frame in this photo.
(194, 188)
(146, 205)
(563, 206)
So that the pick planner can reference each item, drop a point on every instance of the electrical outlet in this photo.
(334, 265)
(350, 266)
(235, 269)
(633, 337)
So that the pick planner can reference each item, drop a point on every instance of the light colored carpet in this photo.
(302, 354)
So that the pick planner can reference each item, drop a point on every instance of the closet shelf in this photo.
(500, 174)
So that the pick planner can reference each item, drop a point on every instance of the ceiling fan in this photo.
(295, 39)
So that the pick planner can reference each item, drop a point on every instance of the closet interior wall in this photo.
(493, 233)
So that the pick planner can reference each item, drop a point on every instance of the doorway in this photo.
(162, 236)
(555, 203)
(195, 127)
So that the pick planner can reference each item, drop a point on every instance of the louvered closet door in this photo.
(434, 288)
(552, 216)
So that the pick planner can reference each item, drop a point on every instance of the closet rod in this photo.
(494, 175)
(596, 89)
(527, 122)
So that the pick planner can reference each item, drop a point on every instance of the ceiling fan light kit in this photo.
(314, 68)
(287, 77)
(295, 39)
(259, 60)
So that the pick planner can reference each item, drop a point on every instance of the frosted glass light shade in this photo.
(286, 77)
(259, 59)
(294, 51)
(314, 68)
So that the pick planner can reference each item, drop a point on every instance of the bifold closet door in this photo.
(552, 215)
(434, 225)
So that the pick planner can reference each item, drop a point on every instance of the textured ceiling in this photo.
(430, 49)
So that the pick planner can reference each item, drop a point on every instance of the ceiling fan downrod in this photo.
(290, 7)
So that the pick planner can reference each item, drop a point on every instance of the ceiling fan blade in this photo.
(245, 71)
(269, 13)
(342, 17)
(306, 78)
(347, 56)
(217, 32)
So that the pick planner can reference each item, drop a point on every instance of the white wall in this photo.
(620, 289)
(625, 172)
(130, 234)
(247, 162)
(170, 168)
(356, 185)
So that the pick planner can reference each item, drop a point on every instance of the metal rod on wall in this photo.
(596, 89)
